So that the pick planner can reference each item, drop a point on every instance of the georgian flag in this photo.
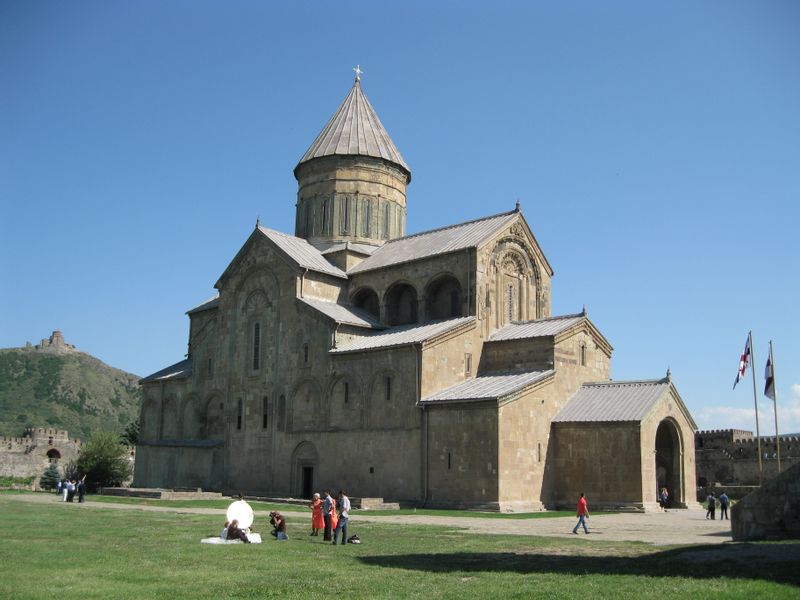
(744, 362)
(769, 376)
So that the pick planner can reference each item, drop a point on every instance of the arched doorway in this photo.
(305, 462)
(669, 461)
(53, 455)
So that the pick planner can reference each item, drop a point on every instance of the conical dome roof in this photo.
(355, 130)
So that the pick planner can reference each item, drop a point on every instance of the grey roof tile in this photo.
(212, 302)
(340, 313)
(355, 130)
(303, 253)
(489, 387)
(609, 401)
(537, 328)
(436, 241)
(403, 335)
(180, 370)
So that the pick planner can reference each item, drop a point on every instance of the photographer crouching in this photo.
(278, 522)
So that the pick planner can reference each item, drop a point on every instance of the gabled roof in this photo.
(538, 328)
(355, 130)
(212, 302)
(434, 242)
(340, 313)
(301, 252)
(489, 387)
(180, 370)
(609, 401)
(403, 335)
(366, 249)
(551, 327)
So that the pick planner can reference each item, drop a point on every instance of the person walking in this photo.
(724, 501)
(344, 516)
(583, 514)
(327, 509)
(664, 499)
(65, 489)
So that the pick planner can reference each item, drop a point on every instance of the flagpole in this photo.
(755, 402)
(775, 405)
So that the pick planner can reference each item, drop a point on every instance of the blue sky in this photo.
(655, 148)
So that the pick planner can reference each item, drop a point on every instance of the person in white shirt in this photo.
(344, 516)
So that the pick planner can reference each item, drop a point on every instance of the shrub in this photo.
(104, 461)
(50, 477)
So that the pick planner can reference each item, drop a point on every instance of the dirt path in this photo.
(673, 527)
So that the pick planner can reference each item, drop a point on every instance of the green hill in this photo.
(69, 390)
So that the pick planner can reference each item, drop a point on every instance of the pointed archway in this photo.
(305, 464)
(669, 462)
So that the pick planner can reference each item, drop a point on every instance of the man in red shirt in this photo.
(583, 514)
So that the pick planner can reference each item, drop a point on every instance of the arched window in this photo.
(443, 298)
(401, 304)
(367, 300)
(282, 413)
(583, 354)
(367, 228)
(256, 346)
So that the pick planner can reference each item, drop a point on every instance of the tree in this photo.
(50, 477)
(104, 461)
(130, 437)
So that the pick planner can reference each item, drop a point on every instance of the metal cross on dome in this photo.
(358, 72)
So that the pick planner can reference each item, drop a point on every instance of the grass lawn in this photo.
(67, 551)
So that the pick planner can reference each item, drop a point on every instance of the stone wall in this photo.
(601, 459)
(771, 512)
(462, 464)
(31, 454)
(730, 456)
(523, 442)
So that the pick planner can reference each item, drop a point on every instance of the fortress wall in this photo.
(27, 456)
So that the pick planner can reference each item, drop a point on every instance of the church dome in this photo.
(355, 130)
(352, 180)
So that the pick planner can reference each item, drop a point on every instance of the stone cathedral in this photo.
(424, 368)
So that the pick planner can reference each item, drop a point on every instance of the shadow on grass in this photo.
(773, 562)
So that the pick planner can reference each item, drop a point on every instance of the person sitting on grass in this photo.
(234, 533)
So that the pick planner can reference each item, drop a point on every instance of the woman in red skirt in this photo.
(317, 521)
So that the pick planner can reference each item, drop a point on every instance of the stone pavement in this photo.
(670, 528)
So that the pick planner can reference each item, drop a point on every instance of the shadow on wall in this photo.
(768, 562)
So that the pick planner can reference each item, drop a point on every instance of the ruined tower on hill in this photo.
(55, 344)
